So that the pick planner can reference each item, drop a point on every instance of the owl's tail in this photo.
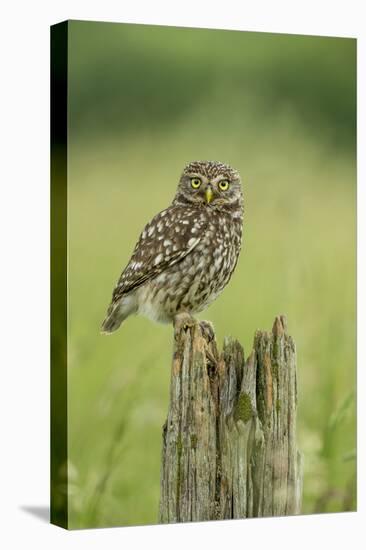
(111, 323)
(117, 313)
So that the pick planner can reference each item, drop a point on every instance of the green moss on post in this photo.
(243, 410)
(275, 367)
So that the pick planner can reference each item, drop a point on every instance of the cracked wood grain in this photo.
(229, 442)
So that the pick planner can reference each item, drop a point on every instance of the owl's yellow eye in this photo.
(195, 182)
(224, 185)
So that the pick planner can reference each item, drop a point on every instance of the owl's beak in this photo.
(208, 194)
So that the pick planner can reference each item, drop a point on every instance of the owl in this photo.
(187, 253)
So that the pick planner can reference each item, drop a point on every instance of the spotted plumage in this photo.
(187, 253)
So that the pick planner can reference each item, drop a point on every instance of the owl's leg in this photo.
(183, 320)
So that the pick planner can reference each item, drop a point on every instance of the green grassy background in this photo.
(143, 101)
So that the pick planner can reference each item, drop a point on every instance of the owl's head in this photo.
(209, 183)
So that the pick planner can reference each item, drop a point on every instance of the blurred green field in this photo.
(143, 102)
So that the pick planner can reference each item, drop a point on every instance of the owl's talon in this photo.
(183, 321)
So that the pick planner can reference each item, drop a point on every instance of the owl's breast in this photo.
(193, 283)
(217, 256)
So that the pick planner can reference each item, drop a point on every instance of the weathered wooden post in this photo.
(229, 442)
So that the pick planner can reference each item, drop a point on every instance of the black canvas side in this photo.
(59, 86)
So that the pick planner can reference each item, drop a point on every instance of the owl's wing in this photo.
(166, 240)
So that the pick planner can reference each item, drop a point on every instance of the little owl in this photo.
(187, 253)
